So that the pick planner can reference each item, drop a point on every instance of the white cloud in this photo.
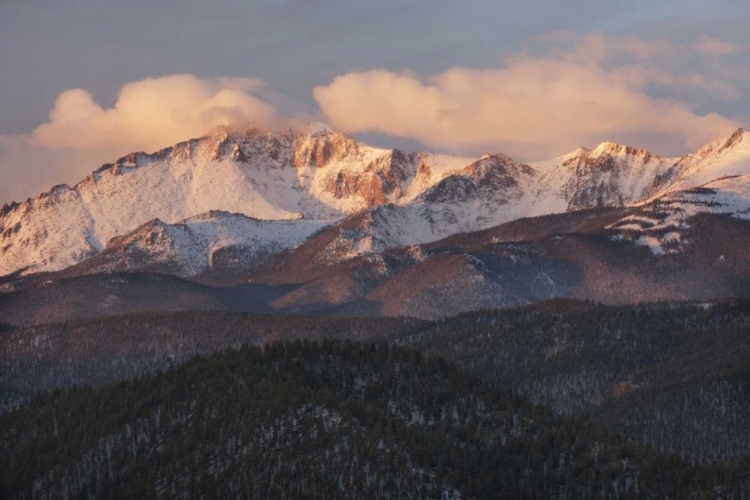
(153, 113)
(149, 114)
(535, 106)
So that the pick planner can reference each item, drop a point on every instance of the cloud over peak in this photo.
(152, 113)
(536, 106)
(533, 109)
(148, 114)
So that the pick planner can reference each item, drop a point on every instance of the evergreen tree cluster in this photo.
(672, 376)
(326, 419)
(103, 350)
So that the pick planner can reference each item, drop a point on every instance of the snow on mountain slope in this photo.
(662, 228)
(609, 175)
(485, 193)
(490, 191)
(319, 175)
(719, 159)
(726, 195)
(405, 198)
(496, 189)
(375, 230)
(214, 243)
(614, 174)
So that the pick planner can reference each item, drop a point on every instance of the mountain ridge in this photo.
(320, 174)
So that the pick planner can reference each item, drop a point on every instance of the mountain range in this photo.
(358, 229)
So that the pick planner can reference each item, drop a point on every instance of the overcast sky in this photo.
(456, 76)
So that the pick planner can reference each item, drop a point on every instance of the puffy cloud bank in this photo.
(535, 107)
(149, 114)
(152, 113)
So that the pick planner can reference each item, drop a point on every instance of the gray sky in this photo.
(50, 46)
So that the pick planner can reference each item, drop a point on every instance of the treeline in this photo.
(328, 419)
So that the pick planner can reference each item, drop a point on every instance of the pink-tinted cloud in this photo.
(149, 114)
(152, 113)
(533, 106)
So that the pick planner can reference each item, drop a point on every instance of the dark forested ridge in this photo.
(331, 419)
(98, 351)
(673, 376)
(49, 298)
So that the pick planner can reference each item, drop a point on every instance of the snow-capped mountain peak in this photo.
(611, 174)
(739, 139)
(318, 174)
(619, 150)
(322, 175)
(581, 150)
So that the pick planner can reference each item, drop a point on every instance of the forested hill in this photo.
(672, 376)
(331, 419)
(98, 351)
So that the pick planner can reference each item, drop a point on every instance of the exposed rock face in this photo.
(381, 181)
(323, 147)
(494, 177)
(735, 139)
(613, 175)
